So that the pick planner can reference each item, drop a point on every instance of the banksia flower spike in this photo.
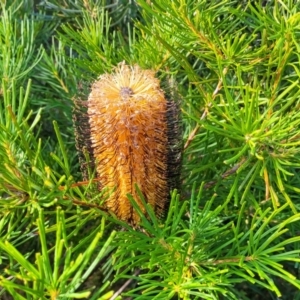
(133, 134)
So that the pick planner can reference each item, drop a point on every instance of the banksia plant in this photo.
(232, 232)
(133, 134)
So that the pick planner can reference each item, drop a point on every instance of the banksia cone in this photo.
(133, 134)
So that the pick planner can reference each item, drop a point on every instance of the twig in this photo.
(194, 132)
(124, 286)
(216, 91)
(81, 203)
(229, 172)
(80, 183)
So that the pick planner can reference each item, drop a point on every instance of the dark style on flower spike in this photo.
(132, 131)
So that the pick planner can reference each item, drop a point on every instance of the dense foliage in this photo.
(232, 231)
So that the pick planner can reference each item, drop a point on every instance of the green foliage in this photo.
(205, 255)
(19, 54)
(120, 12)
(58, 271)
(233, 230)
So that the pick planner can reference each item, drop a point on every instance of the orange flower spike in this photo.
(130, 128)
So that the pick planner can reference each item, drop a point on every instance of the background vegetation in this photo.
(233, 231)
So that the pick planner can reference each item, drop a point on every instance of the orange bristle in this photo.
(134, 134)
